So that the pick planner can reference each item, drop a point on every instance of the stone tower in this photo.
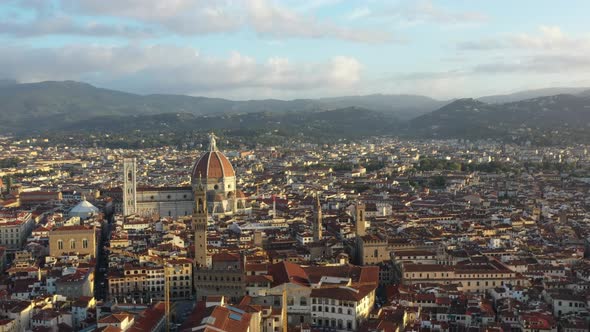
(129, 186)
(317, 222)
(200, 226)
(360, 223)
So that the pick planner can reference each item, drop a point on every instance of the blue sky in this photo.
(251, 49)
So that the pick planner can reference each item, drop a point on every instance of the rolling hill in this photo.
(529, 94)
(346, 122)
(470, 118)
(38, 107)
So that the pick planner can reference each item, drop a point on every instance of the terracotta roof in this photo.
(149, 319)
(259, 278)
(343, 293)
(115, 318)
(363, 274)
(82, 301)
(225, 257)
(72, 228)
(212, 164)
(285, 272)
(217, 318)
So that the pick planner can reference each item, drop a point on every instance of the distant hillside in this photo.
(35, 107)
(348, 122)
(468, 118)
(62, 107)
(404, 107)
(529, 94)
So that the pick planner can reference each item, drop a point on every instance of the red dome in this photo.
(212, 164)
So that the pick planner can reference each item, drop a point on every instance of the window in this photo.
(85, 243)
(72, 244)
(60, 244)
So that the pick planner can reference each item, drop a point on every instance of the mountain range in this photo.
(563, 116)
(51, 105)
(73, 106)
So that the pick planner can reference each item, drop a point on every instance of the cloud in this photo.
(185, 18)
(426, 11)
(151, 69)
(547, 38)
(64, 25)
(525, 66)
(416, 12)
(359, 13)
(539, 64)
(279, 22)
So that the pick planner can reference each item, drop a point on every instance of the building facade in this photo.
(80, 240)
(14, 229)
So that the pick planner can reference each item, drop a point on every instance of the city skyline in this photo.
(270, 49)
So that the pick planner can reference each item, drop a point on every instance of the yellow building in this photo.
(471, 277)
(76, 240)
(373, 249)
(147, 282)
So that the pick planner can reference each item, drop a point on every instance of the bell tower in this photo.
(360, 223)
(200, 225)
(129, 186)
(317, 222)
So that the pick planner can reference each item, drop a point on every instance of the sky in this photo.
(255, 49)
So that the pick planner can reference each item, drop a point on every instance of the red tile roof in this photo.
(285, 272)
(343, 293)
(217, 318)
(212, 164)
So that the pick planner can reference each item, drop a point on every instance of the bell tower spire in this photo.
(200, 225)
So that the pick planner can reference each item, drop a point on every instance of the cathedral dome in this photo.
(212, 164)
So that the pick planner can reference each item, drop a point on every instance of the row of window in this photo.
(327, 309)
(60, 244)
(574, 304)
(420, 275)
(332, 302)
(221, 278)
(333, 323)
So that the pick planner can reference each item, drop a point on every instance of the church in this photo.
(212, 171)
